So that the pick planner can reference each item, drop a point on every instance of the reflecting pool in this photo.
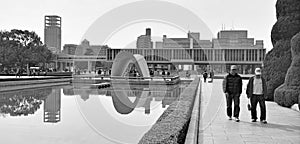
(82, 114)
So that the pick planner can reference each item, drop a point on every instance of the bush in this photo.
(278, 60)
(172, 125)
(287, 94)
(275, 68)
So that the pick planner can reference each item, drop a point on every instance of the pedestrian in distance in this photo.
(205, 76)
(257, 92)
(187, 74)
(99, 72)
(232, 87)
(18, 72)
(211, 76)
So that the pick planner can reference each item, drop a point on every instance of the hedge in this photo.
(172, 125)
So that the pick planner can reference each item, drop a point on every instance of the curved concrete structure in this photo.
(122, 61)
(121, 102)
(124, 105)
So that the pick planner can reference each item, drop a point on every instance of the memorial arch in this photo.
(124, 59)
(120, 98)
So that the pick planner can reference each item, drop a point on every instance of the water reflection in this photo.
(143, 97)
(124, 100)
(22, 103)
(123, 104)
(65, 111)
(25, 102)
(52, 107)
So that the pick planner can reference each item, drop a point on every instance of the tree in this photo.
(19, 48)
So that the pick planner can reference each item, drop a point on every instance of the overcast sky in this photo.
(256, 16)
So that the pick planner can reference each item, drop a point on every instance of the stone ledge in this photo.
(15, 85)
(192, 133)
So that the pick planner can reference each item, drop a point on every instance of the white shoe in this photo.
(264, 121)
(236, 119)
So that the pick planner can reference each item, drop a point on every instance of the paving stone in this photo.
(283, 123)
(206, 141)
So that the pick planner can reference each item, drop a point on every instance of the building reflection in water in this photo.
(52, 105)
(125, 100)
(143, 97)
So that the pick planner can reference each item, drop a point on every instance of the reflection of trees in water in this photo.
(19, 105)
(24, 102)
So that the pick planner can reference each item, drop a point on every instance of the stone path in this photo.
(283, 123)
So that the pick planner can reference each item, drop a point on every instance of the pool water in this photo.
(81, 114)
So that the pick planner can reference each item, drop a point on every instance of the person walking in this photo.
(205, 76)
(211, 75)
(257, 92)
(18, 72)
(232, 87)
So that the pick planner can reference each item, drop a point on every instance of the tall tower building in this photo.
(52, 33)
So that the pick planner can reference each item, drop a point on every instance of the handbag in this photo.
(249, 106)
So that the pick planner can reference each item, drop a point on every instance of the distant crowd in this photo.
(18, 72)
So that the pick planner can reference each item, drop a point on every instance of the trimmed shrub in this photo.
(288, 93)
(286, 96)
(278, 60)
(171, 127)
(275, 68)
(299, 101)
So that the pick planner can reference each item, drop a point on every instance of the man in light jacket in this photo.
(257, 92)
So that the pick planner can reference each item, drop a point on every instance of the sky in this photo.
(256, 16)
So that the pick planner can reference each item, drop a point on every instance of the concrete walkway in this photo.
(9, 77)
(283, 123)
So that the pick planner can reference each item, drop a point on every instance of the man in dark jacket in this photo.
(232, 87)
(257, 92)
(205, 76)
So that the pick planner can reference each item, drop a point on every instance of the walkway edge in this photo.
(18, 85)
(193, 130)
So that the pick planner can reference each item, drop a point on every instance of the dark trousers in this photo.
(236, 99)
(204, 79)
(261, 100)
